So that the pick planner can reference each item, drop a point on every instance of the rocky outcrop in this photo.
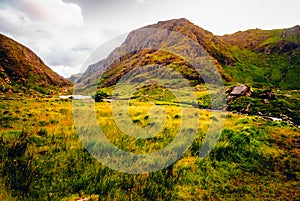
(237, 91)
(241, 90)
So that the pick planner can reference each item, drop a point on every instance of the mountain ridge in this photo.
(255, 57)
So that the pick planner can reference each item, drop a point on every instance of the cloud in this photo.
(51, 28)
(140, 1)
(65, 32)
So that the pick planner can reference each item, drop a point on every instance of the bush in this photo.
(100, 95)
(42, 132)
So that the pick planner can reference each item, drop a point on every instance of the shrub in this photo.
(177, 116)
(100, 95)
(42, 132)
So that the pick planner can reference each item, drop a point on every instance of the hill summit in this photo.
(259, 58)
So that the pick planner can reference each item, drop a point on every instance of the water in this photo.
(77, 97)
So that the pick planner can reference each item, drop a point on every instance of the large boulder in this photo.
(241, 90)
(268, 94)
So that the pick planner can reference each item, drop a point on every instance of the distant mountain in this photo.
(22, 71)
(254, 57)
(73, 78)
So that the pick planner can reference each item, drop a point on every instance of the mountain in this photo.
(267, 41)
(214, 45)
(268, 58)
(22, 71)
(149, 45)
(265, 57)
(74, 77)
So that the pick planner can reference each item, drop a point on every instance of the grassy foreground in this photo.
(42, 158)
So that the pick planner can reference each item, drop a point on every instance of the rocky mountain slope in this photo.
(22, 71)
(73, 78)
(149, 45)
(254, 57)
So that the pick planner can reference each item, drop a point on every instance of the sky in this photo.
(65, 32)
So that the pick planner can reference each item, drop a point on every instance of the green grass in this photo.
(42, 157)
(258, 69)
(264, 58)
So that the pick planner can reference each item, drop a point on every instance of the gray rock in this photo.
(266, 101)
(241, 90)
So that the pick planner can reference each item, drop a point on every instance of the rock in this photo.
(229, 98)
(228, 91)
(272, 118)
(241, 90)
(268, 94)
(266, 101)
(248, 107)
(259, 113)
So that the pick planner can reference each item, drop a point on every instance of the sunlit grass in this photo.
(254, 159)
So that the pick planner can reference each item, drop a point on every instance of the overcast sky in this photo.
(65, 32)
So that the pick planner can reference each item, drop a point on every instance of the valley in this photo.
(228, 106)
(43, 158)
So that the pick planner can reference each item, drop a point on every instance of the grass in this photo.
(42, 157)
(259, 69)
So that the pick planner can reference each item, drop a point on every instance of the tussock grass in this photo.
(253, 159)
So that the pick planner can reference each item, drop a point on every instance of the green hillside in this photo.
(265, 58)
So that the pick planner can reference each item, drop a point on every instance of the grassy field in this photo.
(42, 157)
